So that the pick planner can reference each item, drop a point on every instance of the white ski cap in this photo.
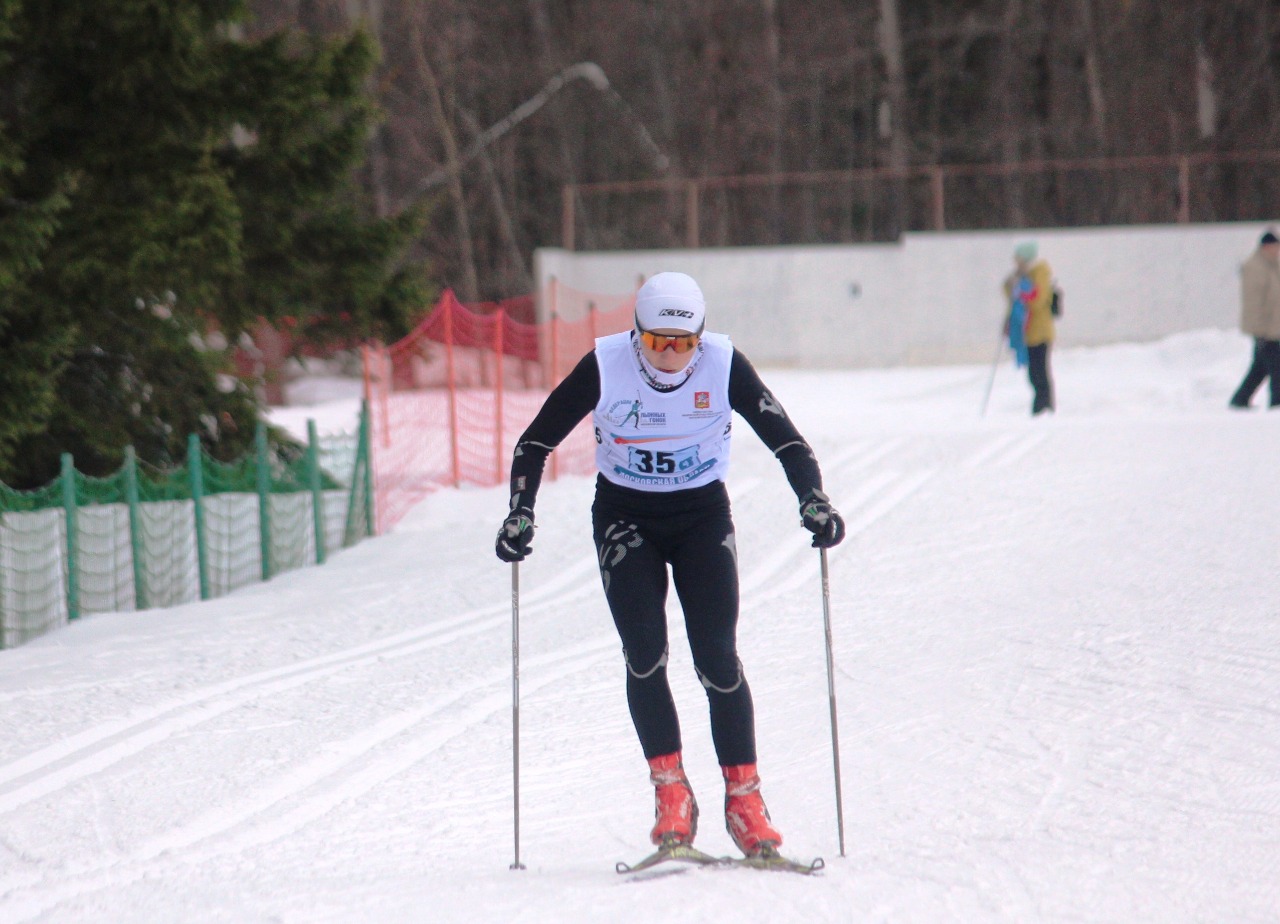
(671, 301)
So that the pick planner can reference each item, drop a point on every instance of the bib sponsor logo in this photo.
(702, 399)
(626, 411)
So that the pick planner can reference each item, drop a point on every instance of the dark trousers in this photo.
(1266, 364)
(637, 535)
(1038, 373)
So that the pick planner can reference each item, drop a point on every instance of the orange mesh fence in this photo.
(450, 400)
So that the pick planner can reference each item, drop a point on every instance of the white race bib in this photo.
(663, 441)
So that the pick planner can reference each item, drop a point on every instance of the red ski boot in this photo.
(744, 813)
(674, 808)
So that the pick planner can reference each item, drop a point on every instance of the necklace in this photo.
(657, 379)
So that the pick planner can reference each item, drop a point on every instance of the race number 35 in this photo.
(649, 462)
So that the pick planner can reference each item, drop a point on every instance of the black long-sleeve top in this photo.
(579, 393)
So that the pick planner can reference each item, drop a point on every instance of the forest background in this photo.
(770, 87)
(172, 167)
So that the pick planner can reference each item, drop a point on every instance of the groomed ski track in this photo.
(1057, 662)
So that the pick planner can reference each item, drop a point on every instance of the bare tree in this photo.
(470, 288)
(726, 88)
(893, 115)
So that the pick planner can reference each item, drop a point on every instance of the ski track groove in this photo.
(93, 750)
(482, 700)
(878, 496)
(106, 744)
(1004, 450)
(1019, 450)
(993, 448)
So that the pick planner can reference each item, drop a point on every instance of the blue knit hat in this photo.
(1025, 252)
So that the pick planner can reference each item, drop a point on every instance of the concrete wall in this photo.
(935, 298)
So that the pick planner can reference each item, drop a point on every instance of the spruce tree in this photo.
(209, 182)
(31, 352)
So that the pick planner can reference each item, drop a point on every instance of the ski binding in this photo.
(769, 858)
(672, 850)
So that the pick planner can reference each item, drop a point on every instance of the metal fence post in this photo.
(455, 455)
(195, 467)
(1184, 190)
(263, 473)
(317, 496)
(135, 528)
(939, 202)
(499, 374)
(567, 230)
(69, 511)
(358, 521)
(366, 444)
(691, 209)
(554, 379)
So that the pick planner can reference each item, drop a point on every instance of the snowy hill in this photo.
(1058, 674)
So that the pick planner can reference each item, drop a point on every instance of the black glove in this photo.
(516, 535)
(820, 518)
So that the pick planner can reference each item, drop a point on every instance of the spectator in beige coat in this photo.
(1260, 319)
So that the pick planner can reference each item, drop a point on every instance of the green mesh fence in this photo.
(146, 538)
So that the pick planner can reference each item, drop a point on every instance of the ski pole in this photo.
(992, 380)
(515, 706)
(831, 695)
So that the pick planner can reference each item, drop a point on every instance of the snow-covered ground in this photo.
(1057, 648)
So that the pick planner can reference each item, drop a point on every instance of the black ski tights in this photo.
(637, 536)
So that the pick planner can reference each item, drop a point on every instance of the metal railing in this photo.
(881, 202)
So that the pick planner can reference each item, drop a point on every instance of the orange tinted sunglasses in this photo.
(680, 343)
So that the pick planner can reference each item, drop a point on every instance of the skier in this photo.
(1029, 324)
(634, 412)
(661, 500)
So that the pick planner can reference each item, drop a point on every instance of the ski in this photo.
(673, 852)
(769, 858)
